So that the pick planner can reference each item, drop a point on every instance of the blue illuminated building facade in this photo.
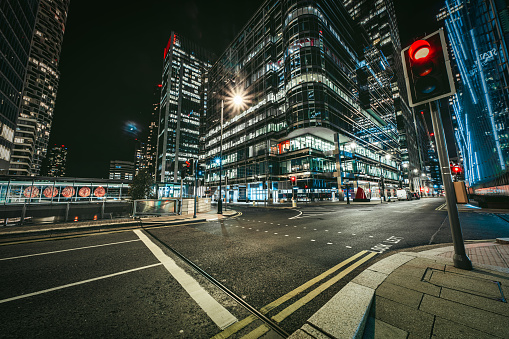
(478, 33)
(313, 88)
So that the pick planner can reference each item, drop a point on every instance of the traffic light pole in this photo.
(460, 257)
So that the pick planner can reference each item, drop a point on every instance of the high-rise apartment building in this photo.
(40, 91)
(378, 18)
(17, 22)
(56, 161)
(312, 85)
(182, 100)
(478, 33)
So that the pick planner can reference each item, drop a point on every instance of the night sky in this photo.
(112, 59)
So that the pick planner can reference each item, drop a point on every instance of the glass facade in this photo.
(17, 22)
(183, 101)
(478, 32)
(309, 81)
(40, 91)
(378, 18)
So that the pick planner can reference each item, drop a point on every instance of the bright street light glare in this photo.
(237, 100)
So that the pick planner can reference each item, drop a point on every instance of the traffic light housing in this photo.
(427, 69)
(187, 168)
(293, 180)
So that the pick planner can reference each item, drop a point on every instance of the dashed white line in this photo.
(348, 246)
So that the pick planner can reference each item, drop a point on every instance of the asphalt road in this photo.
(130, 284)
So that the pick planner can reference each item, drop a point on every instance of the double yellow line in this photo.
(259, 331)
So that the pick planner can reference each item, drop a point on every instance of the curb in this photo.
(49, 232)
(346, 314)
(351, 305)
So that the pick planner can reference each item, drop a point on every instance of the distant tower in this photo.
(57, 160)
(18, 22)
(147, 147)
(40, 90)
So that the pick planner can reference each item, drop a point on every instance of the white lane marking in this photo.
(313, 240)
(70, 249)
(329, 243)
(275, 233)
(298, 237)
(214, 310)
(76, 283)
(297, 216)
(286, 235)
(348, 246)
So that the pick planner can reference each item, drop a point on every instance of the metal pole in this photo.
(181, 194)
(195, 185)
(460, 257)
(220, 201)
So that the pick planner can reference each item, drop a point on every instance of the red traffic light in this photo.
(427, 69)
(456, 169)
(293, 179)
(419, 50)
(306, 186)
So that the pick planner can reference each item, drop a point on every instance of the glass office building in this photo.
(478, 32)
(182, 101)
(378, 18)
(17, 22)
(316, 96)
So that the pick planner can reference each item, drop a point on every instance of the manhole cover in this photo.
(486, 288)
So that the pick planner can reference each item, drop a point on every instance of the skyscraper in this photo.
(378, 18)
(17, 22)
(147, 146)
(182, 100)
(40, 91)
(478, 33)
(56, 161)
(311, 84)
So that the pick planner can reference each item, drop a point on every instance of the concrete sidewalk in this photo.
(421, 295)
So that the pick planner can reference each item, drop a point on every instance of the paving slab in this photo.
(388, 265)
(468, 299)
(410, 278)
(345, 314)
(448, 329)
(370, 278)
(399, 294)
(487, 288)
(476, 318)
(417, 323)
(377, 329)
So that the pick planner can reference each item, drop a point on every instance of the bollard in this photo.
(294, 203)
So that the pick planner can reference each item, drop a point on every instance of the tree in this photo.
(141, 187)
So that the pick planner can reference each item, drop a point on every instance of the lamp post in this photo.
(220, 195)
